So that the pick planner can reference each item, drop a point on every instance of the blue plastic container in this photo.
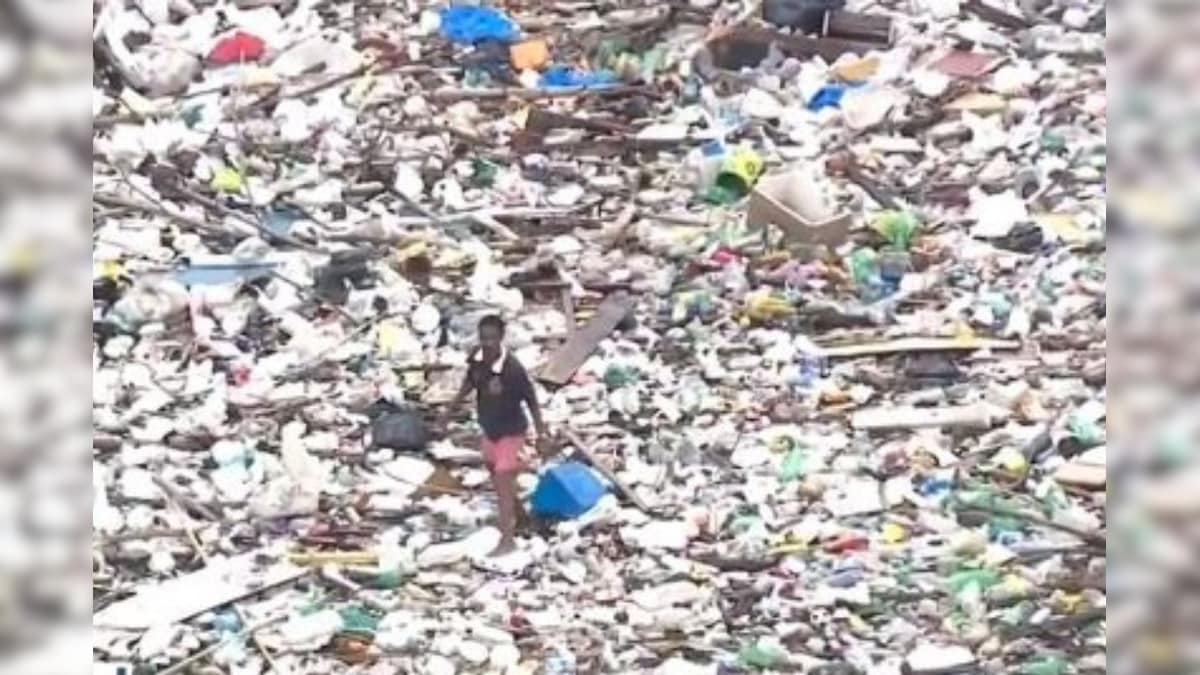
(566, 490)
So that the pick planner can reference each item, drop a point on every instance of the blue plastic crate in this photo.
(566, 490)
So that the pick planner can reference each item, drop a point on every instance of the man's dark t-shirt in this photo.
(499, 396)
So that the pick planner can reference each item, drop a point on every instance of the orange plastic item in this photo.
(529, 55)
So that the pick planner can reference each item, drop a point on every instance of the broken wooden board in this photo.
(173, 600)
(563, 363)
(918, 344)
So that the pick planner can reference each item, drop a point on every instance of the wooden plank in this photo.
(977, 416)
(995, 15)
(563, 364)
(918, 344)
(183, 597)
(875, 28)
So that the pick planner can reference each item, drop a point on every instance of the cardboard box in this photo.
(795, 202)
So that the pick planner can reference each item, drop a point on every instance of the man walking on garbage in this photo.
(501, 385)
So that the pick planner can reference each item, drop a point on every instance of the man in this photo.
(501, 385)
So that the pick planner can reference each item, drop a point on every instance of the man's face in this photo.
(490, 339)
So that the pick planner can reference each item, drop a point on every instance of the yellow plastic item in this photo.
(413, 250)
(227, 180)
(978, 102)
(388, 337)
(744, 164)
(893, 533)
(765, 305)
(111, 270)
(788, 549)
(529, 55)
(963, 333)
(1016, 587)
(857, 70)
(1014, 463)
(1063, 225)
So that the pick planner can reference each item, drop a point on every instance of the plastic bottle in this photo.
(893, 265)
(864, 270)
(704, 163)
(561, 662)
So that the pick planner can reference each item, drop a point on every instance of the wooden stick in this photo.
(857, 26)
(452, 95)
(1094, 539)
(608, 473)
(997, 16)
(237, 609)
(180, 666)
(917, 344)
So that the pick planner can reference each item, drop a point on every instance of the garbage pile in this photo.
(813, 292)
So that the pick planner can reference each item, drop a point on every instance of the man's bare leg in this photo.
(505, 484)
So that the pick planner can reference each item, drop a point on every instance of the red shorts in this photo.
(503, 455)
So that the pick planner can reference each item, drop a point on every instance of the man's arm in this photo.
(463, 389)
(529, 393)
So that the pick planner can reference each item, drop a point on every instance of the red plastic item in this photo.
(237, 48)
(847, 543)
(723, 256)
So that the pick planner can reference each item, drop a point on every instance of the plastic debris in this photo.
(565, 491)
(470, 24)
(237, 47)
(811, 294)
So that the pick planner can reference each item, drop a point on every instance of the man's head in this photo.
(491, 335)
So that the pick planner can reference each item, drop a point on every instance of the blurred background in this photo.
(44, 414)
(1154, 486)
(44, 409)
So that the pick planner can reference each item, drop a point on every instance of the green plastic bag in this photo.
(759, 655)
(795, 464)
(356, 619)
(984, 578)
(898, 227)
(1047, 665)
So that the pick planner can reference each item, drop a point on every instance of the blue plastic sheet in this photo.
(470, 24)
(566, 76)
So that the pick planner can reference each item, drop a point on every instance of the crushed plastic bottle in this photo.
(560, 662)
